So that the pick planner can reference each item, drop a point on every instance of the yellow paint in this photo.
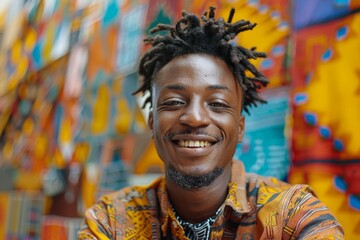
(65, 134)
(123, 118)
(117, 86)
(28, 180)
(16, 51)
(101, 111)
(89, 184)
(8, 150)
(149, 160)
(81, 152)
(49, 40)
(40, 147)
(4, 209)
(30, 40)
(28, 126)
(332, 91)
(58, 160)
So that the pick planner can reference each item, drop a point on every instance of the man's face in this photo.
(196, 119)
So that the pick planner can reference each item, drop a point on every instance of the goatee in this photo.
(192, 181)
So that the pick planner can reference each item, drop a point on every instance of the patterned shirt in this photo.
(255, 208)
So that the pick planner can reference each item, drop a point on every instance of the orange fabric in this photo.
(255, 208)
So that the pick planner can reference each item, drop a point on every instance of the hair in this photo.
(213, 37)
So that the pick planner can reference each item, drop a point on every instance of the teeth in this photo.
(183, 143)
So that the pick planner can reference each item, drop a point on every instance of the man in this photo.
(199, 83)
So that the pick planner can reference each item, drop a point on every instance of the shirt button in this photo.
(174, 224)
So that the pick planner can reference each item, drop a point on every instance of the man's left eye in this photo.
(217, 104)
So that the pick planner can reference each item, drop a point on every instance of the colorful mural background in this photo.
(70, 129)
(326, 101)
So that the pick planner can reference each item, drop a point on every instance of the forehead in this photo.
(198, 70)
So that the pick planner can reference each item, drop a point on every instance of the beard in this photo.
(192, 181)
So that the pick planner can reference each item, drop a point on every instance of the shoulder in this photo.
(119, 212)
(263, 188)
(131, 196)
(269, 192)
(119, 202)
(292, 210)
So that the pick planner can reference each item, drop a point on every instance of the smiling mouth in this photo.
(193, 144)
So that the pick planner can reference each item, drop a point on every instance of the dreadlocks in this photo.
(212, 37)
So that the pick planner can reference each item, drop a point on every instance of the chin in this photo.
(193, 179)
(196, 170)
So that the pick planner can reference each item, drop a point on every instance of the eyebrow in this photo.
(218, 87)
(211, 87)
(175, 87)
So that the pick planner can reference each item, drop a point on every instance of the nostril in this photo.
(195, 115)
(194, 120)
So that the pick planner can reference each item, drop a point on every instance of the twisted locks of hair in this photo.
(209, 36)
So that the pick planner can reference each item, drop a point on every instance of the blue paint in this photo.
(338, 145)
(340, 183)
(300, 98)
(37, 56)
(275, 14)
(267, 64)
(278, 50)
(263, 8)
(130, 84)
(325, 132)
(311, 12)
(342, 3)
(308, 78)
(342, 32)
(327, 55)
(53, 93)
(253, 1)
(354, 202)
(24, 107)
(283, 24)
(10, 67)
(59, 111)
(310, 118)
(111, 14)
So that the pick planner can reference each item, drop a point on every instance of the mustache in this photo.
(193, 131)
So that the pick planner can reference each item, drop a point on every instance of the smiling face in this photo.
(196, 119)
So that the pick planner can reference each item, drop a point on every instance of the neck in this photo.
(197, 205)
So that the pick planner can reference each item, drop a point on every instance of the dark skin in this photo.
(196, 206)
(196, 123)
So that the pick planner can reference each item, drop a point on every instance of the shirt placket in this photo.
(176, 229)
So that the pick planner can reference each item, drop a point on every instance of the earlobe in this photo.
(241, 128)
(150, 124)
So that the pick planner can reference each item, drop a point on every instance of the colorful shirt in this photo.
(255, 208)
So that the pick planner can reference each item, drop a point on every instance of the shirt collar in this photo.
(237, 195)
(236, 198)
(165, 206)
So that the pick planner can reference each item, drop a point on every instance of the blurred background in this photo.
(70, 129)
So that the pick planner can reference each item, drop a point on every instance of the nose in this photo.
(195, 115)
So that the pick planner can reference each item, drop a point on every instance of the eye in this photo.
(218, 105)
(173, 103)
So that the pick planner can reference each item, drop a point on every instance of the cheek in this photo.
(228, 123)
(162, 124)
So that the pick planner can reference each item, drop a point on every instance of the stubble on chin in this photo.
(192, 181)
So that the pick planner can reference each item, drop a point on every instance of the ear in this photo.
(151, 123)
(241, 128)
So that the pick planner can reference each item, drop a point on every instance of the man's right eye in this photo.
(173, 103)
